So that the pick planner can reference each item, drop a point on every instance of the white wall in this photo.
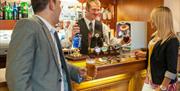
(174, 5)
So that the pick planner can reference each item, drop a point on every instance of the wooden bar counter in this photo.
(109, 78)
(127, 75)
(116, 77)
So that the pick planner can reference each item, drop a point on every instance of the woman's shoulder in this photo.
(173, 40)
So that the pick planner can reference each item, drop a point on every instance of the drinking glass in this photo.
(91, 68)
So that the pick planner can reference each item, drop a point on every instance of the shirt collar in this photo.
(49, 26)
(88, 21)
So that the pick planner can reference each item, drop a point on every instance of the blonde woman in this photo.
(162, 53)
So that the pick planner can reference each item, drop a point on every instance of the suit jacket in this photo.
(32, 61)
(164, 58)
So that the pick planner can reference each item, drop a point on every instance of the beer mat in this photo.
(68, 50)
(76, 58)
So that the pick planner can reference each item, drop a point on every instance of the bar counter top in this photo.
(126, 65)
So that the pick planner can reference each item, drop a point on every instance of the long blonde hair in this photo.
(162, 19)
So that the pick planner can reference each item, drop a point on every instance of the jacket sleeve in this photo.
(74, 73)
(20, 57)
(171, 58)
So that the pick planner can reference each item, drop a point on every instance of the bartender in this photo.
(93, 32)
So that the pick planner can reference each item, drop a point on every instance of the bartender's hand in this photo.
(158, 89)
(76, 29)
(139, 53)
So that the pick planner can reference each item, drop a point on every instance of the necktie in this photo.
(90, 27)
(90, 34)
(64, 66)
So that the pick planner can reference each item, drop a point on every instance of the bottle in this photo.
(24, 9)
(10, 12)
(5, 11)
(19, 12)
(77, 41)
(15, 11)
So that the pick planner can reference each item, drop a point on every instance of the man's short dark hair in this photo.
(89, 1)
(39, 5)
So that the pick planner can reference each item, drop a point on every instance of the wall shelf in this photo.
(7, 24)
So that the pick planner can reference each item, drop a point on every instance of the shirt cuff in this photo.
(170, 75)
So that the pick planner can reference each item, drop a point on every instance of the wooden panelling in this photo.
(114, 77)
(107, 2)
(136, 10)
(114, 86)
(178, 86)
(116, 69)
(122, 82)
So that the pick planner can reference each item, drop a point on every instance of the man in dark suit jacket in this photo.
(35, 61)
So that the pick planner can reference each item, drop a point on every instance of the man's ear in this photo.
(51, 5)
(87, 9)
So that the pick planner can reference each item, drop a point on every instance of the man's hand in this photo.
(158, 89)
(139, 53)
(82, 72)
